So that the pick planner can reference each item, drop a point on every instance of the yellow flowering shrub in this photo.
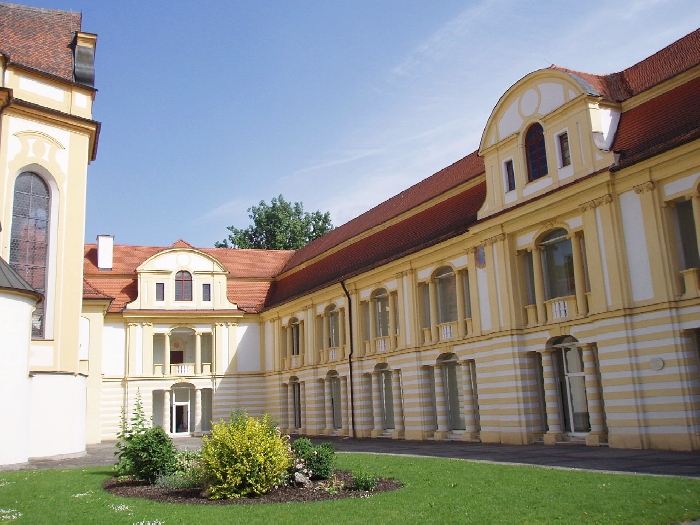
(245, 457)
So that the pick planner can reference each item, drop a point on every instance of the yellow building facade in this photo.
(544, 288)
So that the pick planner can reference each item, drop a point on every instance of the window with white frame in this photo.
(446, 294)
(206, 292)
(183, 286)
(160, 292)
(294, 328)
(563, 149)
(381, 303)
(333, 327)
(558, 264)
(535, 152)
(508, 175)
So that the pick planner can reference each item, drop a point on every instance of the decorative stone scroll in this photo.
(598, 201)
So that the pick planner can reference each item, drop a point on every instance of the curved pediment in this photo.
(182, 258)
(531, 98)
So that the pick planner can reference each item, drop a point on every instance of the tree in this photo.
(280, 225)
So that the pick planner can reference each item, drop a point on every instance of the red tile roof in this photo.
(435, 224)
(672, 60)
(664, 122)
(425, 190)
(39, 38)
(250, 273)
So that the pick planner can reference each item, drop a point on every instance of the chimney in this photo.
(105, 250)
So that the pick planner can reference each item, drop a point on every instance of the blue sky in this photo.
(209, 107)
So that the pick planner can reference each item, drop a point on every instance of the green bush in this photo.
(189, 472)
(151, 454)
(363, 481)
(245, 457)
(319, 460)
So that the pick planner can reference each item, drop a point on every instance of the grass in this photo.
(435, 491)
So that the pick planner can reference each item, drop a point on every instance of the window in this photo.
(381, 301)
(558, 264)
(686, 235)
(183, 286)
(29, 239)
(160, 291)
(509, 174)
(333, 327)
(446, 295)
(535, 152)
(564, 152)
(206, 292)
(294, 327)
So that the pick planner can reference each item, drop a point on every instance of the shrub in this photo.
(363, 481)
(151, 454)
(245, 457)
(320, 460)
(189, 472)
(138, 424)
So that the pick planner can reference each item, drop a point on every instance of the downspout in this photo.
(352, 349)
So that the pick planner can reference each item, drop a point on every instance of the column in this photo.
(398, 404)
(166, 411)
(440, 405)
(198, 411)
(198, 354)
(474, 292)
(551, 399)
(148, 349)
(470, 428)
(594, 395)
(434, 321)
(579, 275)
(696, 215)
(377, 404)
(166, 355)
(372, 325)
(133, 344)
(461, 305)
(346, 408)
(539, 285)
(392, 321)
(302, 404)
(341, 332)
(328, 400)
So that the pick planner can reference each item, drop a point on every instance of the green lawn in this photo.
(435, 491)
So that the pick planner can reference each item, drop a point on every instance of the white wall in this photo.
(248, 347)
(15, 385)
(113, 349)
(57, 415)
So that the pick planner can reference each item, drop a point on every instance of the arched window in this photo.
(29, 239)
(183, 286)
(535, 152)
(558, 264)
(294, 327)
(381, 301)
(446, 295)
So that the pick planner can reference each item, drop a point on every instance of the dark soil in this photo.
(314, 491)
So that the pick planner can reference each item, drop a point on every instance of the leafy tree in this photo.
(279, 225)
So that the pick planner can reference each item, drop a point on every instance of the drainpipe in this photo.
(352, 349)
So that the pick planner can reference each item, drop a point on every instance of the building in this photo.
(47, 139)
(544, 288)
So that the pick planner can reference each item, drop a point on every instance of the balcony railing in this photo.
(691, 280)
(330, 355)
(561, 308)
(294, 361)
(181, 369)
(448, 331)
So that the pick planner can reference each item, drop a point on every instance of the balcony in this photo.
(181, 369)
(294, 361)
(691, 280)
(330, 355)
(448, 331)
(561, 308)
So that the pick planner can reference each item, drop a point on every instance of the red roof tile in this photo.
(425, 190)
(672, 60)
(123, 290)
(666, 121)
(440, 222)
(39, 38)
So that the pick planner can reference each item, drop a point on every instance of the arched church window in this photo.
(535, 152)
(183, 286)
(29, 239)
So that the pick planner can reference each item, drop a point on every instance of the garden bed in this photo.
(321, 490)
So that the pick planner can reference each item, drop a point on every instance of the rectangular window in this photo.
(206, 292)
(509, 174)
(160, 291)
(564, 152)
(687, 236)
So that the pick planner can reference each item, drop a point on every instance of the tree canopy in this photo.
(279, 225)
